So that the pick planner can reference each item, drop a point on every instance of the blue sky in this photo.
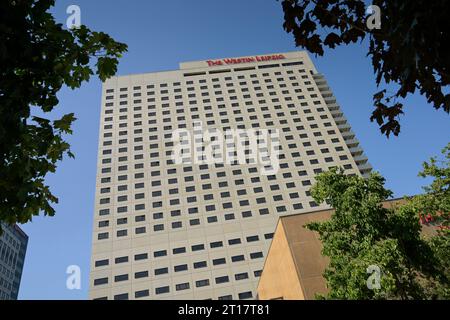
(160, 34)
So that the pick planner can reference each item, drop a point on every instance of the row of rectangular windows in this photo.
(199, 283)
(206, 197)
(208, 186)
(194, 109)
(195, 112)
(180, 250)
(223, 113)
(207, 207)
(195, 210)
(165, 94)
(255, 125)
(220, 174)
(169, 146)
(219, 93)
(171, 161)
(243, 85)
(192, 222)
(224, 116)
(196, 221)
(138, 166)
(178, 287)
(218, 99)
(191, 82)
(179, 268)
(286, 95)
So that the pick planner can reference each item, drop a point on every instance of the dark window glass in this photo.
(100, 281)
(161, 271)
(141, 294)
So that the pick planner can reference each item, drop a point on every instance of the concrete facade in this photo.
(201, 231)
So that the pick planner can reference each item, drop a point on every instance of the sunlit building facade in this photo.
(193, 229)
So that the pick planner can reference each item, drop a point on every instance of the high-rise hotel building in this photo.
(201, 230)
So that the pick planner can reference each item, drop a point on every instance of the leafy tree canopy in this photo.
(409, 49)
(37, 58)
(362, 233)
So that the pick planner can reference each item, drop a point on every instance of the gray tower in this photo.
(13, 247)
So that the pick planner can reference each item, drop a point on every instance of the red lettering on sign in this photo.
(212, 63)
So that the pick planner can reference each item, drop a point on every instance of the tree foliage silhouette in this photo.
(37, 58)
(409, 49)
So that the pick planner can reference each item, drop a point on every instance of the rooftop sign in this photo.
(221, 62)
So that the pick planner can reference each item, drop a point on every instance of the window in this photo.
(122, 221)
(139, 218)
(162, 290)
(212, 219)
(219, 261)
(122, 233)
(100, 281)
(298, 206)
(241, 276)
(101, 263)
(198, 247)
(256, 255)
(158, 215)
(179, 250)
(313, 204)
(268, 236)
(121, 260)
(160, 253)
(202, 283)
(194, 222)
(245, 295)
(229, 216)
(182, 286)
(103, 236)
(142, 256)
(246, 214)
(123, 296)
(141, 274)
(223, 279)
(160, 271)
(141, 294)
(180, 268)
(216, 244)
(234, 241)
(140, 230)
(122, 277)
(103, 212)
(200, 264)
(238, 258)
(177, 225)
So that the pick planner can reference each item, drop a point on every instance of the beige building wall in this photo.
(146, 205)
